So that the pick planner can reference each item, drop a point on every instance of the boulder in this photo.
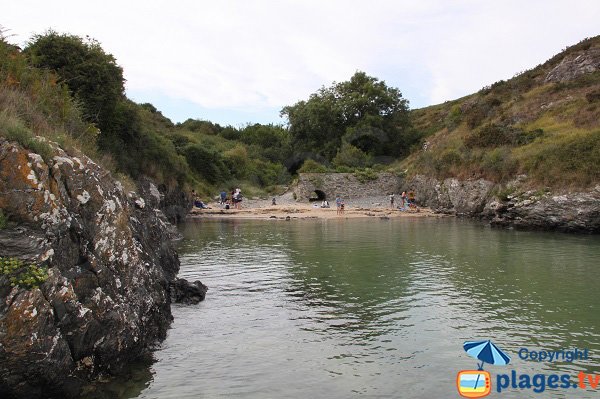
(182, 291)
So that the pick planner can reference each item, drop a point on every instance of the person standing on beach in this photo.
(392, 200)
(338, 204)
(403, 200)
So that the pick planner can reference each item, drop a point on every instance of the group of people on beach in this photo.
(407, 201)
(233, 201)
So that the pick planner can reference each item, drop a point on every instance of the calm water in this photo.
(372, 308)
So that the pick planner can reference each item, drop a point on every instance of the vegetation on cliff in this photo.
(543, 123)
(68, 90)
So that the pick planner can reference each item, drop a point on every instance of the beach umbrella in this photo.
(487, 352)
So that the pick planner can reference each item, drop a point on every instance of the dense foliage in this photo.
(362, 113)
(136, 139)
(92, 75)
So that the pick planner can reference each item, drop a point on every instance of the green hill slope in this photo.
(543, 123)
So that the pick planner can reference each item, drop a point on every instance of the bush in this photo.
(312, 166)
(454, 117)
(450, 157)
(351, 156)
(572, 160)
(498, 164)
(365, 175)
(493, 135)
(593, 96)
(237, 160)
(207, 163)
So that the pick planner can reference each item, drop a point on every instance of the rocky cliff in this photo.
(111, 273)
(512, 204)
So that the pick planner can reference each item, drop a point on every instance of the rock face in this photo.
(110, 266)
(574, 212)
(522, 208)
(452, 196)
(174, 203)
(575, 65)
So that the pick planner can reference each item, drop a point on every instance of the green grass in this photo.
(547, 131)
(14, 129)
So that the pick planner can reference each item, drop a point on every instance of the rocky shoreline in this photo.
(110, 273)
(512, 205)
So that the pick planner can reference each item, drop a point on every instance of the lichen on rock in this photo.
(110, 262)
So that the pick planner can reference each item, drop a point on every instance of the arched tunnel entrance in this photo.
(317, 195)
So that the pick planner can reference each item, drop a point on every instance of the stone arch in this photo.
(320, 196)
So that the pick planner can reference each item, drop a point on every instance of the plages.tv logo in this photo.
(478, 383)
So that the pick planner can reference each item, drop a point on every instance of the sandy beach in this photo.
(287, 208)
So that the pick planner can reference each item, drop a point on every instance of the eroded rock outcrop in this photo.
(110, 267)
(511, 205)
(575, 65)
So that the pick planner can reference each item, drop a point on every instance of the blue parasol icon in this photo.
(487, 352)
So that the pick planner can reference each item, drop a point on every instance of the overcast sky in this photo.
(239, 61)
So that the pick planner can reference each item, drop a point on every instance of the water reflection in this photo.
(339, 308)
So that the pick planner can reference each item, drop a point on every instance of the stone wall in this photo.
(345, 185)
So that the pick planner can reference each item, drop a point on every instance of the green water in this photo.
(373, 308)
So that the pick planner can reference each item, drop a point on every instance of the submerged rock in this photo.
(182, 291)
(111, 264)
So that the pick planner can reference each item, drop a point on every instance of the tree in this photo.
(92, 75)
(363, 112)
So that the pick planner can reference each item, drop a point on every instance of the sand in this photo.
(263, 209)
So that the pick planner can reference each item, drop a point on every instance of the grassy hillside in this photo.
(136, 139)
(544, 123)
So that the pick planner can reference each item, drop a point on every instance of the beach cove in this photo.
(368, 307)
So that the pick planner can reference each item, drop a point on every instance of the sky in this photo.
(235, 62)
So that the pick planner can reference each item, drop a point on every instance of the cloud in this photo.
(262, 55)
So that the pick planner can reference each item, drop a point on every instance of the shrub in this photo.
(498, 164)
(593, 96)
(312, 166)
(27, 277)
(365, 175)
(13, 129)
(572, 160)
(207, 163)
(449, 157)
(351, 156)
(454, 117)
(493, 135)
